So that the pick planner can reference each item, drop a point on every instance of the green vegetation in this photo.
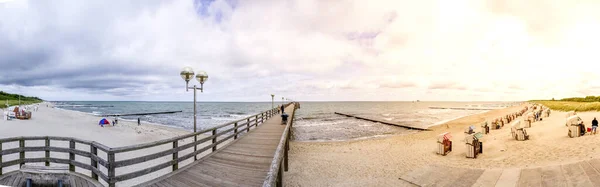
(13, 99)
(588, 103)
(570, 105)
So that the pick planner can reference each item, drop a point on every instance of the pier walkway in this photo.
(245, 162)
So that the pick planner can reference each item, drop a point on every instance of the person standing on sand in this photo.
(594, 125)
(138, 121)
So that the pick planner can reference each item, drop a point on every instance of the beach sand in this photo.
(380, 162)
(57, 122)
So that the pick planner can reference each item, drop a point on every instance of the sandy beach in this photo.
(49, 121)
(380, 162)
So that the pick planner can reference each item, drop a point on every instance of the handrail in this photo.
(275, 174)
(111, 164)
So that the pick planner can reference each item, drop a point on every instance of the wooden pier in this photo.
(248, 152)
(141, 114)
(384, 122)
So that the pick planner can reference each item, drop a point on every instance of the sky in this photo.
(306, 50)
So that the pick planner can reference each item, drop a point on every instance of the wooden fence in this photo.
(275, 175)
(219, 134)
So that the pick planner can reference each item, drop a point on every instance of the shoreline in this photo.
(382, 136)
(126, 120)
(377, 162)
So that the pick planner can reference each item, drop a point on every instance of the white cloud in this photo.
(309, 49)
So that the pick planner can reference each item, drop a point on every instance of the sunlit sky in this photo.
(308, 50)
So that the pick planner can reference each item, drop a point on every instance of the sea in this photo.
(314, 121)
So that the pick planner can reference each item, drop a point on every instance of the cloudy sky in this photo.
(302, 49)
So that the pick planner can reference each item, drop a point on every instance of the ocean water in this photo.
(315, 121)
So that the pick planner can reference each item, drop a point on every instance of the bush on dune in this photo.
(589, 103)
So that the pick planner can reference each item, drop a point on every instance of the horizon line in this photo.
(289, 101)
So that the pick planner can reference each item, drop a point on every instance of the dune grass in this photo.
(570, 105)
(16, 102)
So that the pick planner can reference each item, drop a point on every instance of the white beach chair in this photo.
(444, 143)
(571, 113)
(573, 125)
(473, 145)
(485, 127)
(518, 132)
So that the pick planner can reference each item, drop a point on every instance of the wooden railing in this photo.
(219, 134)
(275, 175)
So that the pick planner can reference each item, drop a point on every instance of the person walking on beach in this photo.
(594, 125)
(138, 121)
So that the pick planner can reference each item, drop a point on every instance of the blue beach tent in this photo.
(103, 121)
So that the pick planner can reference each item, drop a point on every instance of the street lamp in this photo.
(272, 101)
(187, 73)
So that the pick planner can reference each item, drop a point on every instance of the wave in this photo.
(235, 113)
(448, 120)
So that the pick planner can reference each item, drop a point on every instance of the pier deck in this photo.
(244, 162)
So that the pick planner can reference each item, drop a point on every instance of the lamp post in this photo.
(272, 101)
(187, 73)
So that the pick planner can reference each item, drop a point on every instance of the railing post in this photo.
(94, 152)
(71, 155)
(285, 154)
(235, 130)
(280, 177)
(195, 146)
(47, 151)
(248, 125)
(0, 158)
(111, 169)
(21, 153)
(175, 156)
(214, 140)
(255, 122)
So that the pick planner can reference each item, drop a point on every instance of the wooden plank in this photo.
(530, 177)
(162, 184)
(7, 179)
(553, 176)
(468, 178)
(196, 178)
(235, 170)
(190, 180)
(212, 178)
(575, 176)
(592, 173)
(595, 163)
(17, 180)
(72, 182)
(509, 177)
(383, 122)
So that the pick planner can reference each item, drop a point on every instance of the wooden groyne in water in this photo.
(384, 122)
(141, 114)
(460, 108)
